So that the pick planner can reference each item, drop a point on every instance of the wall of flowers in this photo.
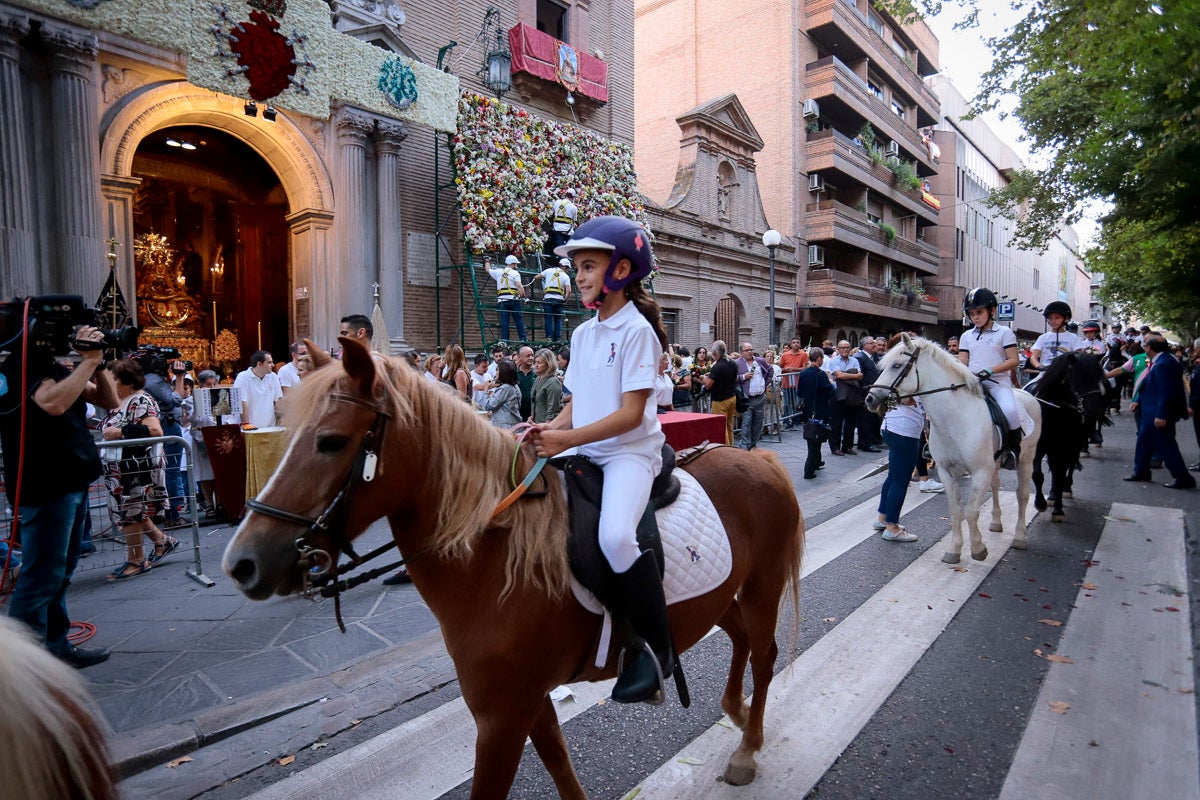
(513, 165)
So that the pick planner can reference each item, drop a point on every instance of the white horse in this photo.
(962, 437)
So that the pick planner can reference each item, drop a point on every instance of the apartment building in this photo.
(974, 241)
(835, 89)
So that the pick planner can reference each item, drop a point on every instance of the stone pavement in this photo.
(192, 665)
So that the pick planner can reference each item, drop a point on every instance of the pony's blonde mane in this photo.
(958, 371)
(51, 744)
(465, 463)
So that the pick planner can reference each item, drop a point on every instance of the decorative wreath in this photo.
(398, 83)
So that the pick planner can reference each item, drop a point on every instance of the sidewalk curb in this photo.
(145, 748)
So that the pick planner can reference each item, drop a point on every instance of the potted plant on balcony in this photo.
(889, 232)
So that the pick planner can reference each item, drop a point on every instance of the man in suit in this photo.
(869, 423)
(1163, 403)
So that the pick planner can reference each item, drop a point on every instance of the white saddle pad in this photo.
(695, 547)
(1026, 420)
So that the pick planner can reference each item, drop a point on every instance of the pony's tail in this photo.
(793, 557)
(647, 306)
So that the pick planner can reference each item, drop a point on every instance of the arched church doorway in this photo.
(728, 321)
(212, 243)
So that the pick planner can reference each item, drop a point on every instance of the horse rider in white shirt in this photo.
(989, 350)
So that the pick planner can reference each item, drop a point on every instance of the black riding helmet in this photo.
(1057, 307)
(980, 297)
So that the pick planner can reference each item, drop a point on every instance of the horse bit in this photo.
(317, 568)
(894, 397)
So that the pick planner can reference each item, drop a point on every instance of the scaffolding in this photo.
(472, 299)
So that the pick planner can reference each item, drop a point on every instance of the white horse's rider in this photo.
(989, 350)
(1057, 340)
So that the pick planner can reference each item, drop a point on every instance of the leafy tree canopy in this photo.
(1109, 92)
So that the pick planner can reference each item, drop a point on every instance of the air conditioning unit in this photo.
(893, 149)
(815, 182)
(816, 255)
(811, 109)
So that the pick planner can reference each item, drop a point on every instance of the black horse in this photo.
(1073, 394)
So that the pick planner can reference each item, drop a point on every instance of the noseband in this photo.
(318, 570)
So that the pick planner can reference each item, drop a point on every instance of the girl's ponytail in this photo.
(647, 306)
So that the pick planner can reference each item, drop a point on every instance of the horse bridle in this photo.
(894, 396)
(318, 570)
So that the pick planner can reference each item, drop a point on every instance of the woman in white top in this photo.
(664, 386)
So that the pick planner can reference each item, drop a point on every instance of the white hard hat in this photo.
(564, 262)
(570, 192)
(512, 260)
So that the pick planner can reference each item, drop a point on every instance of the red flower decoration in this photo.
(266, 54)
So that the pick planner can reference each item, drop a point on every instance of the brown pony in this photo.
(499, 583)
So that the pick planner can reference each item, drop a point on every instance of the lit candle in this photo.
(214, 320)
(260, 336)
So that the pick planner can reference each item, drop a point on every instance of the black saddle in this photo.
(998, 418)
(585, 484)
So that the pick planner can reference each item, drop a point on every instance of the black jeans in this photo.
(813, 460)
(843, 422)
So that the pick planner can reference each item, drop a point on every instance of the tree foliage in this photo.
(1108, 91)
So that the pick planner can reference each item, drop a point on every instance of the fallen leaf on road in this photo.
(318, 745)
(1038, 652)
(178, 761)
(959, 569)
(356, 722)
(1059, 706)
(1053, 623)
(1155, 685)
(1119, 519)
(692, 761)
(283, 762)
(949, 750)
(988, 596)
(1061, 659)
(830, 619)
(1093, 743)
(1173, 609)
(1186, 691)
(1089, 586)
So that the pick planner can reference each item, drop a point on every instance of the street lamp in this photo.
(497, 65)
(771, 239)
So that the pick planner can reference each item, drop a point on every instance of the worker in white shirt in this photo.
(509, 294)
(565, 214)
(556, 290)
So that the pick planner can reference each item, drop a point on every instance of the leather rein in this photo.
(318, 571)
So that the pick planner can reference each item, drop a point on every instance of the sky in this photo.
(965, 56)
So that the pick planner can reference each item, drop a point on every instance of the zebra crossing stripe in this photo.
(1130, 728)
(428, 756)
(818, 705)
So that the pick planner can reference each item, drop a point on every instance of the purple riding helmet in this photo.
(624, 238)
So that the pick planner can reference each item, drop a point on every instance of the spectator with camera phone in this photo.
(50, 459)
(157, 364)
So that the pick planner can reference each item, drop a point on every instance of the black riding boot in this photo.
(1012, 450)
(650, 658)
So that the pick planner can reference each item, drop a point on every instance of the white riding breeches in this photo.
(627, 480)
(1003, 395)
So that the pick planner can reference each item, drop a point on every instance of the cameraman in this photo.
(169, 397)
(60, 461)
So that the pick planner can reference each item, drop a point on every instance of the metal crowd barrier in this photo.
(105, 511)
(104, 541)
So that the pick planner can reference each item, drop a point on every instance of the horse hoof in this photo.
(1020, 544)
(980, 556)
(951, 558)
(996, 527)
(1042, 506)
(1058, 517)
(1068, 495)
(740, 774)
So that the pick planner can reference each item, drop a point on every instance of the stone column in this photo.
(75, 175)
(391, 261)
(314, 309)
(118, 192)
(351, 279)
(18, 242)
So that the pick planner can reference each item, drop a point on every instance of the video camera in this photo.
(153, 358)
(52, 323)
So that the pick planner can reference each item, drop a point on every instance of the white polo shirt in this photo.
(288, 375)
(259, 395)
(1050, 345)
(987, 348)
(508, 282)
(609, 358)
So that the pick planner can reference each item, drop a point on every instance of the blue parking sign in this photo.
(1006, 311)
